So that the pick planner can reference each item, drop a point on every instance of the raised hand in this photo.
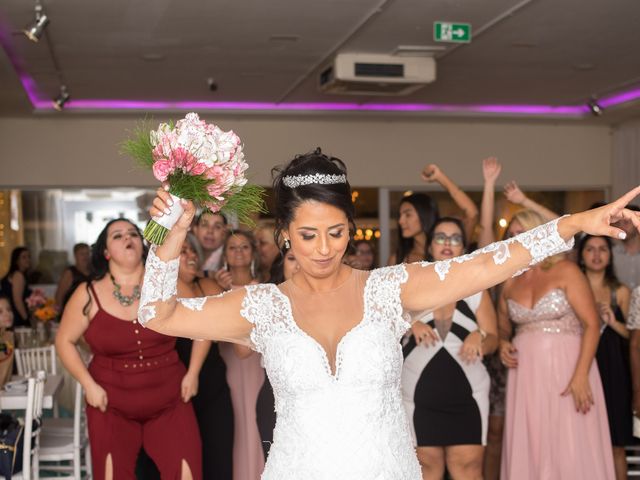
(491, 169)
(602, 220)
(513, 193)
(432, 173)
(163, 202)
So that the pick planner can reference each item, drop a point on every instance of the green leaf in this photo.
(138, 146)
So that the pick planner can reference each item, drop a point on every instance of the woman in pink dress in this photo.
(556, 419)
(245, 374)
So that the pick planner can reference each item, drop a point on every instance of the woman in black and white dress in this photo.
(445, 385)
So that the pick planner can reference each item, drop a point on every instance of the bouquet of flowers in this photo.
(41, 307)
(201, 163)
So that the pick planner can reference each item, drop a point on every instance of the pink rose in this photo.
(198, 168)
(180, 158)
(162, 169)
(214, 173)
(216, 190)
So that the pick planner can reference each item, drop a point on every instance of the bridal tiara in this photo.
(293, 181)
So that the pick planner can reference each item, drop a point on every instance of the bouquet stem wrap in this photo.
(158, 227)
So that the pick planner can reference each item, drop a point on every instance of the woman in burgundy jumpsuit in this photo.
(133, 383)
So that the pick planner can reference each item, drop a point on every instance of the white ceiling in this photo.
(523, 52)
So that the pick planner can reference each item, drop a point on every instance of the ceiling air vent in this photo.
(368, 74)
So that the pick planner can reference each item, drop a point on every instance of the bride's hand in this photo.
(162, 205)
(600, 221)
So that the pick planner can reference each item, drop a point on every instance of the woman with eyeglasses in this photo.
(445, 385)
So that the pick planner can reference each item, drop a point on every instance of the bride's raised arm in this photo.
(430, 286)
(209, 318)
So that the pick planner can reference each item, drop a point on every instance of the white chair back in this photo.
(32, 422)
(23, 337)
(36, 359)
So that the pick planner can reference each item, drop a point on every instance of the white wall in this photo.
(626, 158)
(80, 151)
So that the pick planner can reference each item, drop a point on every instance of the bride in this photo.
(330, 335)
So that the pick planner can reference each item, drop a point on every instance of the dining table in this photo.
(16, 398)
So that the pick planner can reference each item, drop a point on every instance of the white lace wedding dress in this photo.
(347, 424)
(350, 424)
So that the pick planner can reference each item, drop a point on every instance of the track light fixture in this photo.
(35, 30)
(595, 108)
(62, 98)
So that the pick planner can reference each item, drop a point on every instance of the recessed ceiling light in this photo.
(153, 57)
(284, 38)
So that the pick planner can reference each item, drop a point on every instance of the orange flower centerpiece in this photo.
(42, 308)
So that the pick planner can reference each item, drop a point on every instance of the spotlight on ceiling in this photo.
(35, 29)
(595, 107)
(62, 98)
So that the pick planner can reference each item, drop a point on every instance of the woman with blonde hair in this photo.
(268, 250)
(556, 420)
(491, 169)
(245, 374)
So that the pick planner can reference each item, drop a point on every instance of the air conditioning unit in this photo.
(371, 74)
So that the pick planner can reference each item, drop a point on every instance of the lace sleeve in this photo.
(161, 284)
(260, 307)
(382, 298)
(633, 320)
(541, 242)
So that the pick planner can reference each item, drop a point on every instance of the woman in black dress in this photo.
(212, 400)
(445, 385)
(15, 285)
(74, 275)
(612, 297)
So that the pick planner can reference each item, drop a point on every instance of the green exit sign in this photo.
(452, 32)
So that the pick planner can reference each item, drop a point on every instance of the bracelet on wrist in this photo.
(482, 333)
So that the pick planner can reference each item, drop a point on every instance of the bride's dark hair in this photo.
(289, 199)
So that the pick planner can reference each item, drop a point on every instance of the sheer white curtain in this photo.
(625, 173)
(45, 232)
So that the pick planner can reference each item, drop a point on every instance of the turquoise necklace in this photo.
(124, 300)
